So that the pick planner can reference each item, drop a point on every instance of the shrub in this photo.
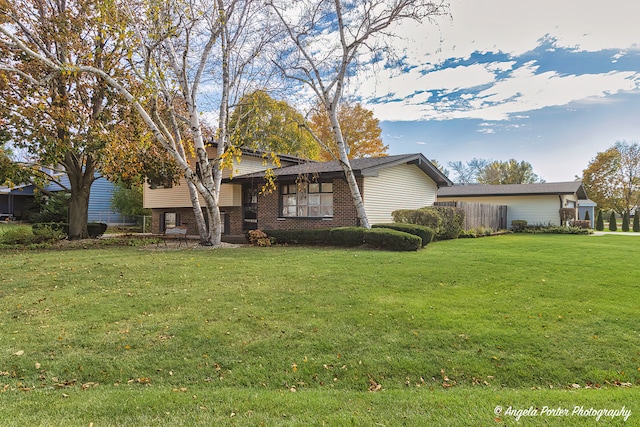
(315, 236)
(599, 221)
(613, 226)
(625, 221)
(566, 215)
(581, 224)
(424, 216)
(393, 240)
(17, 236)
(636, 221)
(447, 222)
(258, 238)
(51, 232)
(586, 216)
(347, 236)
(518, 225)
(62, 227)
(424, 232)
(452, 222)
(564, 230)
(96, 229)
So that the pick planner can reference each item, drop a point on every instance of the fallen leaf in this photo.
(19, 353)
(38, 365)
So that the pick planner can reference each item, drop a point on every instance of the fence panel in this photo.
(480, 214)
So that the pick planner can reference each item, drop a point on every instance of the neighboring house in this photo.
(13, 200)
(316, 195)
(307, 194)
(535, 203)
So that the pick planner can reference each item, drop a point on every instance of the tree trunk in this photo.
(80, 179)
(356, 196)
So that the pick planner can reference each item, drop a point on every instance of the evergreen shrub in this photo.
(424, 232)
(613, 226)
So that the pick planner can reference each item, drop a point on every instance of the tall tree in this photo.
(173, 45)
(59, 116)
(263, 123)
(612, 178)
(509, 172)
(467, 173)
(360, 130)
(327, 39)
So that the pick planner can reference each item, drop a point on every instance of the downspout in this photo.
(559, 210)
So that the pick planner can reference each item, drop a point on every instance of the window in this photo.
(313, 200)
(170, 220)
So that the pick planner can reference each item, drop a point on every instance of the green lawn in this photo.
(298, 336)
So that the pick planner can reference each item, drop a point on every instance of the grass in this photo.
(298, 336)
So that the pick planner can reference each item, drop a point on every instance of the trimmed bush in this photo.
(447, 222)
(519, 225)
(56, 226)
(599, 221)
(581, 223)
(636, 221)
(96, 229)
(586, 216)
(424, 232)
(314, 236)
(17, 236)
(258, 238)
(452, 222)
(625, 221)
(51, 232)
(424, 216)
(613, 226)
(347, 236)
(392, 240)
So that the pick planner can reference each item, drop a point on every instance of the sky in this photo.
(548, 82)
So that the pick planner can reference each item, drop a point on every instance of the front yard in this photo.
(316, 336)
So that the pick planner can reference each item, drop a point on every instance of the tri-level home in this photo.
(305, 194)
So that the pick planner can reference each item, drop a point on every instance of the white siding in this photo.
(399, 187)
(178, 195)
(543, 209)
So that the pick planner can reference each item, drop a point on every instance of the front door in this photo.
(249, 207)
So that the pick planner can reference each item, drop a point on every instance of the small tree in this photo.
(625, 221)
(636, 221)
(599, 221)
(613, 226)
(586, 216)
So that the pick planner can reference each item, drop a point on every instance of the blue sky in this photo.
(549, 82)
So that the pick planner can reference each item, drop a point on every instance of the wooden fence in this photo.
(480, 214)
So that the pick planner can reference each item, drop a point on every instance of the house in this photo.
(171, 204)
(536, 203)
(316, 195)
(307, 194)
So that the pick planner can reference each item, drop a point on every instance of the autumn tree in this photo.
(360, 130)
(173, 46)
(509, 172)
(612, 178)
(58, 116)
(262, 123)
(329, 41)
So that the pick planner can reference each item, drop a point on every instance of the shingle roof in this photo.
(467, 190)
(368, 166)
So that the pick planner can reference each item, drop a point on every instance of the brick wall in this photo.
(344, 213)
(187, 217)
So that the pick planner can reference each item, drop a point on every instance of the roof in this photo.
(545, 188)
(368, 166)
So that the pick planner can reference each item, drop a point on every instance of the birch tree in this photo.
(327, 39)
(175, 46)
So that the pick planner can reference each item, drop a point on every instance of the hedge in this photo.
(96, 229)
(446, 221)
(380, 238)
(424, 232)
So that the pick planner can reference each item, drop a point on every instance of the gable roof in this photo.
(545, 188)
(368, 166)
